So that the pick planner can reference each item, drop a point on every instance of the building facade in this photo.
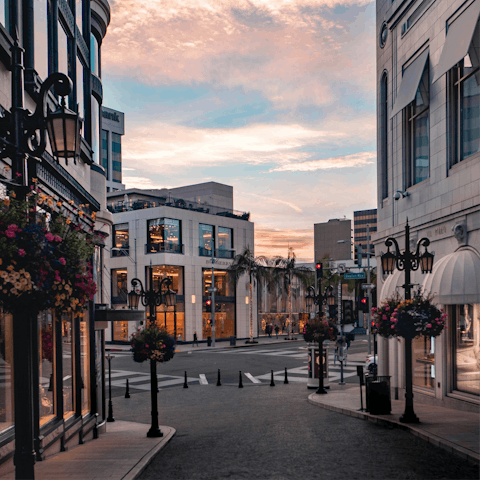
(326, 237)
(67, 378)
(428, 76)
(175, 231)
(362, 218)
(113, 128)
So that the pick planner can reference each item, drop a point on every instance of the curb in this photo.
(471, 457)
(137, 470)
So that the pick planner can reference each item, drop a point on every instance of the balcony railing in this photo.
(123, 252)
(218, 253)
(164, 247)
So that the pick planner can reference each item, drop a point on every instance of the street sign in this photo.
(354, 276)
(366, 286)
(341, 268)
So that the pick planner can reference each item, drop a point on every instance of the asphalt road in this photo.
(264, 432)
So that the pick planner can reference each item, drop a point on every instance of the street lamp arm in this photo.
(136, 282)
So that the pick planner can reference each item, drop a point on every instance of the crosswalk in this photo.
(141, 381)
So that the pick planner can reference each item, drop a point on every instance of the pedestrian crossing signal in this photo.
(208, 305)
(364, 304)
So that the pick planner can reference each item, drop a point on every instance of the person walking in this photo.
(269, 331)
(276, 330)
(195, 339)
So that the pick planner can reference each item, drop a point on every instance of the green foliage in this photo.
(152, 343)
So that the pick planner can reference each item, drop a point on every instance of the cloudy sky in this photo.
(273, 97)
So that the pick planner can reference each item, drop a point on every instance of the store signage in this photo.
(111, 116)
(354, 276)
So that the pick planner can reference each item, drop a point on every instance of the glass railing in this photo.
(219, 252)
(164, 247)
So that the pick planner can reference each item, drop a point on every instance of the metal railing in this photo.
(164, 247)
(218, 253)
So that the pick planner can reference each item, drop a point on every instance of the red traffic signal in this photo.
(208, 303)
(318, 266)
(319, 271)
(364, 300)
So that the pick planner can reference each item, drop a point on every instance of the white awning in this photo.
(393, 284)
(455, 278)
(459, 38)
(410, 82)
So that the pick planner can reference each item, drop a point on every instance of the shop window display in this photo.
(423, 349)
(6, 363)
(46, 352)
(85, 364)
(466, 319)
(67, 366)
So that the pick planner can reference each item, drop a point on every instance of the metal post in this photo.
(213, 293)
(408, 415)
(369, 293)
(110, 405)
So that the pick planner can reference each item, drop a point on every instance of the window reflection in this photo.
(424, 361)
(40, 20)
(116, 157)
(206, 239)
(225, 242)
(79, 14)
(94, 55)
(63, 63)
(164, 235)
(80, 92)
(119, 286)
(224, 286)
(105, 153)
(67, 365)
(85, 363)
(6, 371)
(95, 129)
(467, 347)
(121, 236)
(45, 367)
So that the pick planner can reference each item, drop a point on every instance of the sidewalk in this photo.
(453, 430)
(122, 453)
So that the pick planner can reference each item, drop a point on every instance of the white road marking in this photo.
(252, 378)
(203, 379)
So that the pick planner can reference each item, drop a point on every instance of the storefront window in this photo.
(67, 365)
(85, 363)
(41, 37)
(6, 354)
(225, 242)
(164, 235)
(225, 288)
(224, 321)
(119, 286)
(45, 367)
(206, 238)
(174, 273)
(121, 237)
(467, 348)
(423, 354)
(94, 60)
(120, 331)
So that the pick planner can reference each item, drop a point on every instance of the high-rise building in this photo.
(113, 128)
(362, 218)
(332, 239)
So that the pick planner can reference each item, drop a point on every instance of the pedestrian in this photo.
(269, 327)
(195, 339)
(276, 330)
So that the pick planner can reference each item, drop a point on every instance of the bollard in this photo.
(240, 383)
(219, 383)
(185, 382)
(272, 383)
(286, 378)
(127, 391)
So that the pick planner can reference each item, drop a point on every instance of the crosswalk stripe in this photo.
(252, 378)
(203, 379)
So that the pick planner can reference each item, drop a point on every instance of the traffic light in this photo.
(347, 306)
(208, 305)
(364, 304)
(319, 271)
(359, 250)
(333, 311)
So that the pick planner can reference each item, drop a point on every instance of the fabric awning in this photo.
(455, 278)
(393, 284)
(410, 82)
(459, 38)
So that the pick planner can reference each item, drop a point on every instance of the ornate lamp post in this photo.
(110, 417)
(407, 261)
(319, 299)
(23, 136)
(152, 298)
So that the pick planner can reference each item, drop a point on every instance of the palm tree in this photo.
(246, 263)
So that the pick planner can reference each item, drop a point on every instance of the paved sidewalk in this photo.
(453, 430)
(120, 454)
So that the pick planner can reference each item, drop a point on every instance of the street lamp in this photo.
(407, 261)
(152, 298)
(110, 418)
(320, 299)
(23, 136)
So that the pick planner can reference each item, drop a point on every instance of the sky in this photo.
(273, 97)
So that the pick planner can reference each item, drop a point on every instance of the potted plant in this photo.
(152, 343)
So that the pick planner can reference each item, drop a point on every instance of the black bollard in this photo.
(272, 383)
(127, 391)
(219, 383)
(185, 382)
(240, 383)
(286, 378)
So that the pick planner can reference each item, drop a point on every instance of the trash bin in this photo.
(209, 341)
(233, 340)
(377, 392)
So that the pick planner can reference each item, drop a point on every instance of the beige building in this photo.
(326, 238)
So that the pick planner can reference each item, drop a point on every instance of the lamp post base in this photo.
(321, 391)
(409, 417)
(154, 433)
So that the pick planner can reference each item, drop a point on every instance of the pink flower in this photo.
(62, 260)
(10, 234)
(384, 317)
(146, 346)
(49, 237)
(429, 325)
(387, 309)
(392, 326)
(57, 238)
(21, 252)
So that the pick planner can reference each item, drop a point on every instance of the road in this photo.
(264, 432)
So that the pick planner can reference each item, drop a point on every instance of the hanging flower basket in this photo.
(152, 344)
(319, 331)
(45, 256)
(47, 343)
(409, 318)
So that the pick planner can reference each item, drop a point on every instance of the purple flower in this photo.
(62, 260)
(49, 237)
(21, 252)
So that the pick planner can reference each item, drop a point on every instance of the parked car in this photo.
(371, 365)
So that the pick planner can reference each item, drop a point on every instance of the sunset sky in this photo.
(273, 97)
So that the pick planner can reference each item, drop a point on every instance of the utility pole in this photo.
(213, 293)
